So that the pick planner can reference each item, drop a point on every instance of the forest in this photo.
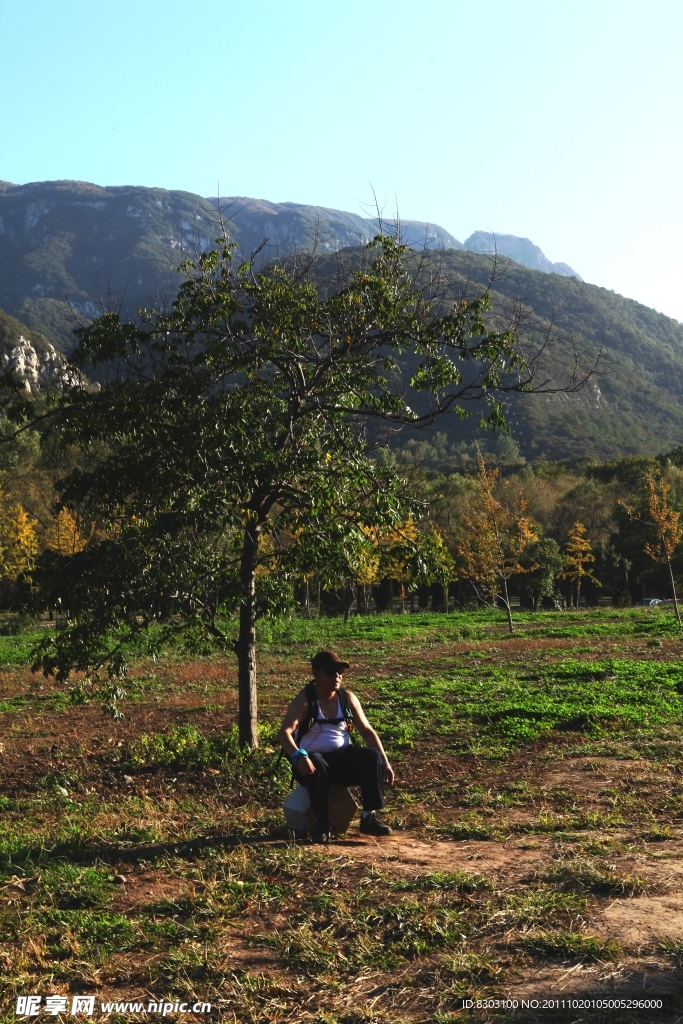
(421, 563)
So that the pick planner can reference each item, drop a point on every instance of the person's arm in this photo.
(368, 734)
(290, 723)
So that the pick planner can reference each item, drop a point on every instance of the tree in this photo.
(64, 535)
(439, 564)
(401, 559)
(243, 413)
(578, 555)
(350, 563)
(409, 554)
(365, 559)
(612, 569)
(546, 560)
(24, 541)
(665, 523)
(495, 540)
(19, 543)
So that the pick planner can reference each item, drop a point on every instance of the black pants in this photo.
(349, 766)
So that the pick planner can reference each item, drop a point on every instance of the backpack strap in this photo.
(305, 724)
(347, 710)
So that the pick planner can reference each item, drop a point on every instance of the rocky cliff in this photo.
(521, 250)
(31, 356)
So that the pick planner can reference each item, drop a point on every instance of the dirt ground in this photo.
(644, 920)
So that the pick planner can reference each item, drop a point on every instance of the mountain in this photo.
(67, 247)
(521, 250)
(632, 402)
(289, 225)
(78, 242)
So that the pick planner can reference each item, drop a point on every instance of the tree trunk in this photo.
(308, 601)
(245, 647)
(578, 593)
(673, 591)
(507, 604)
(351, 603)
(318, 598)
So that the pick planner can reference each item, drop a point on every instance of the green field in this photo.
(538, 829)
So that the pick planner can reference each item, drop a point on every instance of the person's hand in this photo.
(389, 774)
(305, 765)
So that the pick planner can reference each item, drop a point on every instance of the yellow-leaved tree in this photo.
(365, 562)
(19, 543)
(399, 549)
(666, 526)
(578, 555)
(414, 556)
(495, 536)
(24, 540)
(64, 535)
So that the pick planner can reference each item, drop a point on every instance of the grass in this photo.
(591, 876)
(149, 854)
(564, 945)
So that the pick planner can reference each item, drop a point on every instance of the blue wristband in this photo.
(298, 753)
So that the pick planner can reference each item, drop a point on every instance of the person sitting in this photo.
(315, 735)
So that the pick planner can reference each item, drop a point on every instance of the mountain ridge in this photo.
(330, 229)
(521, 250)
(69, 243)
(629, 356)
(120, 244)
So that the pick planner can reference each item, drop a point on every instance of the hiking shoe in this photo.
(321, 833)
(372, 826)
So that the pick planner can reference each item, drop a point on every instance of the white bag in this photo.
(299, 813)
(295, 807)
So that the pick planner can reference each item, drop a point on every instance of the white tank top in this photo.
(325, 735)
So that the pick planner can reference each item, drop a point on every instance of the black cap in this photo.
(328, 661)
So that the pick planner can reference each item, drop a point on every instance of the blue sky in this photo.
(560, 121)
